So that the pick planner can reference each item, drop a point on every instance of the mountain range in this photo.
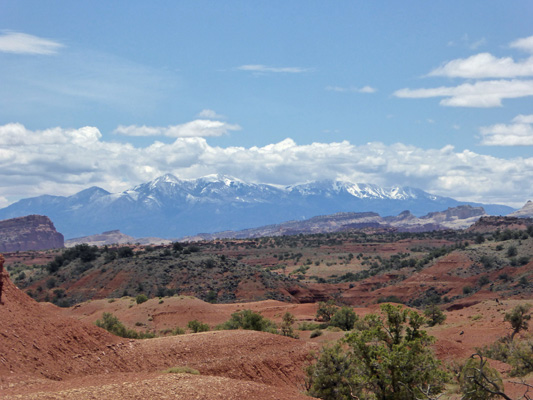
(169, 207)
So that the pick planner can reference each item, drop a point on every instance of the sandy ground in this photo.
(52, 353)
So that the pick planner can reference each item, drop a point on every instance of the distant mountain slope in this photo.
(525, 212)
(112, 237)
(460, 217)
(168, 207)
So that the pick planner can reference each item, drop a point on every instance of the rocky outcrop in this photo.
(460, 217)
(113, 237)
(492, 224)
(33, 232)
(525, 212)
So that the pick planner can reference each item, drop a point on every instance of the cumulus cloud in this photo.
(519, 133)
(481, 66)
(485, 65)
(62, 162)
(478, 94)
(351, 89)
(22, 43)
(196, 128)
(525, 44)
(259, 68)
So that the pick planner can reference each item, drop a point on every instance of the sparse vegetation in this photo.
(326, 310)
(519, 318)
(249, 320)
(112, 324)
(344, 318)
(286, 328)
(141, 298)
(434, 315)
(196, 326)
(387, 357)
(182, 370)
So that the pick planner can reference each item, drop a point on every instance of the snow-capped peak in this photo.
(215, 178)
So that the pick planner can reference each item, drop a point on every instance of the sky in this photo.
(436, 95)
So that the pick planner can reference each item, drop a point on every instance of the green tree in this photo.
(518, 317)
(333, 374)
(478, 381)
(344, 318)
(125, 252)
(389, 358)
(286, 325)
(434, 315)
(326, 310)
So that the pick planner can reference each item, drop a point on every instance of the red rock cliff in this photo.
(33, 232)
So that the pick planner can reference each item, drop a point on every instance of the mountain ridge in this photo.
(169, 207)
(460, 217)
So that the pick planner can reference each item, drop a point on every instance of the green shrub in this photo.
(141, 298)
(249, 320)
(178, 331)
(316, 333)
(196, 326)
(483, 280)
(112, 324)
(344, 318)
(308, 326)
(389, 299)
(125, 252)
(182, 370)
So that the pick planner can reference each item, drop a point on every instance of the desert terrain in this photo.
(51, 352)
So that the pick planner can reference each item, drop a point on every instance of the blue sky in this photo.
(436, 95)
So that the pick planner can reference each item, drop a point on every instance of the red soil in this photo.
(46, 355)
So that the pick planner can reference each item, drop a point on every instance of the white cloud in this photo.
(210, 114)
(196, 128)
(523, 119)
(22, 43)
(60, 161)
(485, 65)
(519, 133)
(259, 68)
(479, 94)
(351, 89)
(525, 44)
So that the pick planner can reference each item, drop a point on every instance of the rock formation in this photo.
(525, 212)
(492, 224)
(113, 237)
(33, 232)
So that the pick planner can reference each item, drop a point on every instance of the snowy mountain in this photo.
(169, 207)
